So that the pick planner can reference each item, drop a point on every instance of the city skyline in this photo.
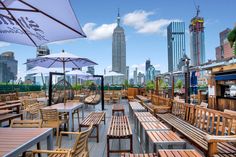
(145, 37)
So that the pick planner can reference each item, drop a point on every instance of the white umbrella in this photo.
(112, 74)
(36, 22)
(78, 73)
(62, 59)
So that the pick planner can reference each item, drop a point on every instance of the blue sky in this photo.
(145, 24)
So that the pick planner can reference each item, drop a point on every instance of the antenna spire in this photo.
(118, 17)
(198, 10)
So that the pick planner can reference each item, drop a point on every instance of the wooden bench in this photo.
(135, 107)
(94, 118)
(207, 129)
(178, 153)
(118, 108)
(158, 104)
(139, 155)
(12, 106)
(119, 129)
(8, 117)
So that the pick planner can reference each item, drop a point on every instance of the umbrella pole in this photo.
(64, 83)
(44, 85)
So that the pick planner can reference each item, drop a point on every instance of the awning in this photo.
(225, 77)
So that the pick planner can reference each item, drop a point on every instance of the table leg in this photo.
(141, 134)
(108, 147)
(70, 122)
(50, 141)
(146, 142)
(83, 112)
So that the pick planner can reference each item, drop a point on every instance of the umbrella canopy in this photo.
(37, 70)
(113, 73)
(36, 22)
(78, 73)
(59, 60)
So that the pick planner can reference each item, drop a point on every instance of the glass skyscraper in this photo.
(176, 44)
(197, 41)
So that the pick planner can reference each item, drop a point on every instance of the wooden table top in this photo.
(148, 119)
(139, 155)
(148, 126)
(142, 98)
(119, 127)
(179, 153)
(136, 106)
(13, 101)
(62, 106)
(5, 111)
(12, 139)
(143, 114)
(118, 107)
(2, 103)
(162, 137)
(10, 106)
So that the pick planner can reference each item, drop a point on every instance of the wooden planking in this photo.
(138, 155)
(136, 106)
(12, 138)
(154, 126)
(147, 119)
(143, 114)
(93, 117)
(178, 153)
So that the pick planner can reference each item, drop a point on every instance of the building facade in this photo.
(147, 64)
(42, 51)
(224, 50)
(8, 67)
(197, 41)
(140, 78)
(151, 74)
(127, 73)
(91, 70)
(135, 74)
(176, 44)
(119, 49)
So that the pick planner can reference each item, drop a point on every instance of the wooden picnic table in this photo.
(179, 153)
(15, 141)
(162, 138)
(119, 129)
(118, 108)
(11, 106)
(5, 111)
(69, 107)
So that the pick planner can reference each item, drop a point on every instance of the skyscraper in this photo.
(135, 75)
(118, 49)
(147, 64)
(197, 40)
(42, 51)
(8, 67)
(176, 44)
(91, 70)
(127, 73)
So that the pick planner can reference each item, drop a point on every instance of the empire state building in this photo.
(119, 49)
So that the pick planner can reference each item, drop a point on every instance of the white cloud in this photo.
(140, 20)
(4, 44)
(98, 33)
(63, 42)
(157, 66)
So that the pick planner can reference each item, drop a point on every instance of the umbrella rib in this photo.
(52, 18)
(17, 9)
(13, 18)
(52, 62)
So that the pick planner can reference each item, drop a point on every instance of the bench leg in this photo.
(104, 118)
(131, 144)
(108, 147)
(97, 127)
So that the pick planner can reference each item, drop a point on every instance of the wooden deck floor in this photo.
(99, 149)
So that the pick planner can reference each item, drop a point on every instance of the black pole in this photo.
(102, 89)
(50, 90)
(188, 81)
(50, 86)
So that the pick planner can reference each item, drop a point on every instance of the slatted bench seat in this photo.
(119, 129)
(197, 124)
(11, 106)
(135, 107)
(94, 118)
(178, 153)
(139, 155)
(8, 117)
(118, 108)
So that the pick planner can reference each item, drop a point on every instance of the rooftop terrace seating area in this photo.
(139, 126)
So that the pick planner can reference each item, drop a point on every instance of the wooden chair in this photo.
(107, 97)
(79, 149)
(52, 119)
(115, 97)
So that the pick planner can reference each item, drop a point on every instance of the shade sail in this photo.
(36, 22)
